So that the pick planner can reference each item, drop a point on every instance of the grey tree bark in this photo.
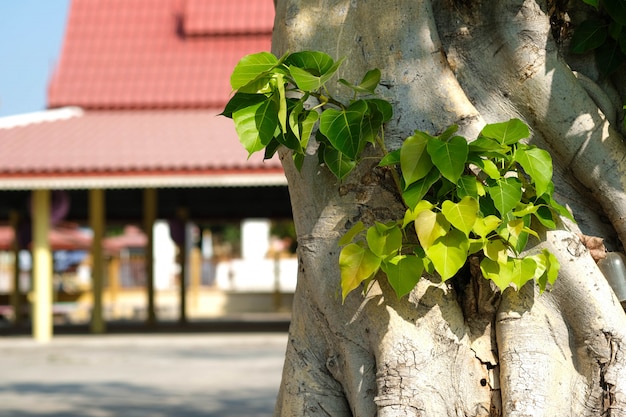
(460, 348)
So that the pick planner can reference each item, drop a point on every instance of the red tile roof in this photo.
(122, 148)
(147, 54)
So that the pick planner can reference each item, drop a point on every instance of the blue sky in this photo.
(31, 34)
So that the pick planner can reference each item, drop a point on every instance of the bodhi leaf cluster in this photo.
(462, 199)
(271, 108)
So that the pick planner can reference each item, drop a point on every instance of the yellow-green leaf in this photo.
(415, 162)
(461, 215)
(449, 253)
(430, 226)
(356, 264)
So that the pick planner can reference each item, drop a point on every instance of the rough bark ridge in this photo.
(456, 349)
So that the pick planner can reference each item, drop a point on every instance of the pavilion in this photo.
(133, 132)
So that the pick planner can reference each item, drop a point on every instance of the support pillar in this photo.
(97, 224)
(149, 217)
(42, 267)
(16, 295)
(183, 216)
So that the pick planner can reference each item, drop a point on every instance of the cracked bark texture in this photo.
(459, 348)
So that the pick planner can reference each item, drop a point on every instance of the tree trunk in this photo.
(459, 348)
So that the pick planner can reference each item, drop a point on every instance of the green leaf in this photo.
(609, 57)
(449, 157)
(537, 163)
(338, 163)
(589, 35)
(449, 253)
(282, 102)
(256, 124)
(523, 271)
(496, 250)
(544, 215)
(241, 100)
(416, 191)
(430, 226)
(368, 84)
(411, 213)
(356, 264)
(383, 106)
(487, 166)
(392, 158)
(403, 273)
(616, 9)
(307, 126)
(514, 271)
(251, 67)
(486, 225)
(467, 186)
(311, 69)
(461, 215)
(507, 133)
(506, 193)
(593, 3)
(315, 62)
(551, 267)
(415, 162)
(349, 236)
(483, 144)
(384, 240)
(343, 128)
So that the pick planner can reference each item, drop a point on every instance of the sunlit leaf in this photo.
(349, 236)
(485, 225)
(506, 193)
(507, 133)
(356, 263)
(256, 124)
(411, 214)
(449, 253)
(343, 128)
(415, 161)
(537, 163)
(384, 240)
(496, 250)
(430, 226)
(461, 215)
(523, 271)
(251, 67)
(449, 157)
(403, 273)
(241, 100)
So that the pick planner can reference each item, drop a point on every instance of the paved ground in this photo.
(150, 375)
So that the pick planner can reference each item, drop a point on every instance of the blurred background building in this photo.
(130, 198)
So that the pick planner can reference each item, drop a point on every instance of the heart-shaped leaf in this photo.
(356, 263)
(415, 161)
(251, 67)
(403, 273)
(343, 128)
(430, 226)
(537, 163)
(256, 125)
(507, 133)
(506, 193)
(449, 253)
(461, 215)
(384, 240)
(449, 156)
